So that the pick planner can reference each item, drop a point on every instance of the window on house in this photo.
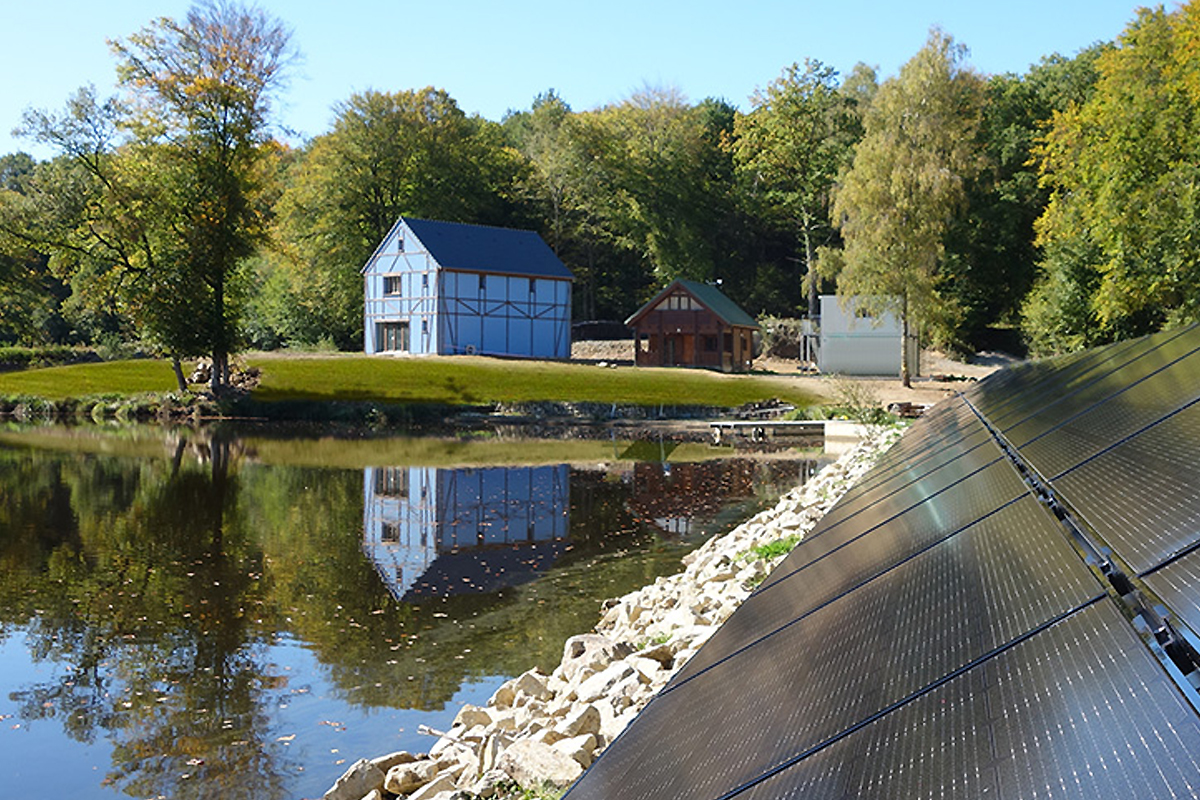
(424, 327)
(391, 336)
(482, 283)
(391, 482)
(532, 285)
(424, 280)
(391, 284)
(400, 242)
(710, 344)
(390, 533)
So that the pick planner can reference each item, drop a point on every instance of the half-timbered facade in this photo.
(690, 324)
(446, 288)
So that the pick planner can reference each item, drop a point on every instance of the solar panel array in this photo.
(1006, 605)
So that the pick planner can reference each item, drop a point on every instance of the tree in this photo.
(412, 152)
(991, 252)
(1118, 233)
(791, 148)
(907, 182)
(167, 186)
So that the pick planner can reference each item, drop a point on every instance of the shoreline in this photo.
(539, 731)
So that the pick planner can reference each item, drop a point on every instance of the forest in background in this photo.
(1060, 204)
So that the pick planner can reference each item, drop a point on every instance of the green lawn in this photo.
(454, 381)
(85, 380)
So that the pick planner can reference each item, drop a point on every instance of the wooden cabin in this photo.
(691, 324)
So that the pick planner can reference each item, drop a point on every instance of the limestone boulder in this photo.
(599, 685)
(590, 651)
(435, 789)
(583, 720)
(359, 780)
(580, 748)
(407, 778)
(531, 763)
(532, 684)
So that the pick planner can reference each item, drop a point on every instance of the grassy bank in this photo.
(458, 381)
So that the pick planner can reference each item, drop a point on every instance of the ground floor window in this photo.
(392, 335)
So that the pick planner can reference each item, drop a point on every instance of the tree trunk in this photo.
(810, 277)
(905, 377)
(219, 378)
(180, 381)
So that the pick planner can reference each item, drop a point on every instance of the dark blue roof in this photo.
(481, 248)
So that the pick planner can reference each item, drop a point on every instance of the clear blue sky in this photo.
(495, 56)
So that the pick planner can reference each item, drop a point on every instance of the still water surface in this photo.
(192, 615)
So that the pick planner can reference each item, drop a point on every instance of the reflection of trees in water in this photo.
(159, 586)
(143, 594)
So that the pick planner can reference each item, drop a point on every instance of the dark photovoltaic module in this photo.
(1006, 605)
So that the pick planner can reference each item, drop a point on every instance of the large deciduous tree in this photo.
(790, 149)
(389, 153)
(1119, 233)
(907, 182)
(159, 198)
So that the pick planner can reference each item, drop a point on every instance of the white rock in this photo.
(486, 786)
(443, 784)
(532, 684)
(360, 779)
(599, 684)
(590, 651)
(579, 748)
(504, 696)
(385, 763)
(405, 778)
(469, 716)
(531, 763)
(583, 720)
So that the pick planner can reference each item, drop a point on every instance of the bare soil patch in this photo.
(941, 376)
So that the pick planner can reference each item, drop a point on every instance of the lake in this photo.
(243, 613)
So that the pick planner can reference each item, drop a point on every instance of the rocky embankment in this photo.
(541, 731)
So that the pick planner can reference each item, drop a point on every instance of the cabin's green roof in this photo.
(710, 296)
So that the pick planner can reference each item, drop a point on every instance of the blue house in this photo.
(445, 288)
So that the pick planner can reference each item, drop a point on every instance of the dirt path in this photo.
(941, 376)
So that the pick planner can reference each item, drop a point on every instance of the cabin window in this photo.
(710, 344)
(391, 336)
(391, 285)
(681, 302)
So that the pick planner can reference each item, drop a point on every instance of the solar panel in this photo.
(1022, 524)
(1078, 711)
(854, 657)
(930, 437)
(1130, 493)
(907, 474)
(963, 491)
(1169, 366)
(1013, 391)
(941, 633)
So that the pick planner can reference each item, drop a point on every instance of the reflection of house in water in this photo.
(434, 532)
(681, 499)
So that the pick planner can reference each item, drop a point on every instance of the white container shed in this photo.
(853, 343)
